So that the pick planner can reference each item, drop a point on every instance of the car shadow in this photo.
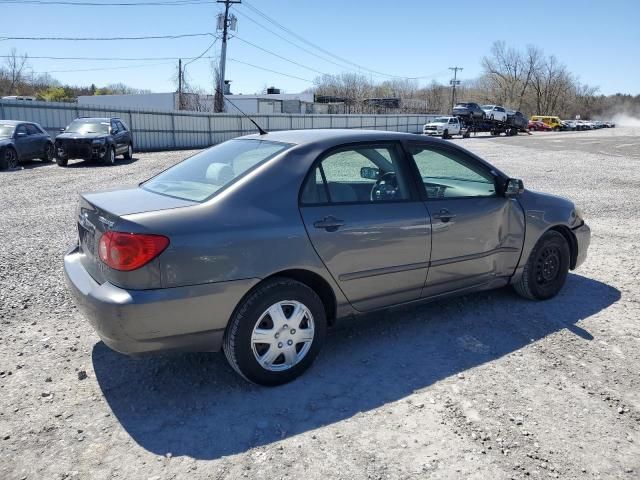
(195, 405)
(98, 163)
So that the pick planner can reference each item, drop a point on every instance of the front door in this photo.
(365, 221)
(477, 234)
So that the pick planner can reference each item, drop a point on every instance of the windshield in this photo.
(88, 126)
(6, 131)
(441, 120)
(201, 176)
(487, 107)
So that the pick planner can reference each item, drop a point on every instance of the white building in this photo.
(250, 104)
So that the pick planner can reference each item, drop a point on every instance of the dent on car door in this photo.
(477, 234)
(366, 223)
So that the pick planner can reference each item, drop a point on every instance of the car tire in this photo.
(48, 153)
(9, 159)
(266, 363)
(445, 134)
(110, 156)
(128, 155)
(546, 269)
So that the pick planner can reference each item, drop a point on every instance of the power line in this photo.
(286, 39)
(269, 70)
(279, 56)
(100, 39)
(317, 47)
(109, 59)
(105, 68)
(110, 4)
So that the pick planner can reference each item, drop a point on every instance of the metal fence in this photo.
(168, 130)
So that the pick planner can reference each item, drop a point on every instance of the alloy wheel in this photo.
(11, 158)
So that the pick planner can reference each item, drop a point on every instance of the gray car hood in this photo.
(77, 136)
(5, 141)
(133, 200)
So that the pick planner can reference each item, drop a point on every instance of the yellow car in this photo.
(553, 122)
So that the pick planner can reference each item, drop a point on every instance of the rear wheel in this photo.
(546, 270)
(276, 332)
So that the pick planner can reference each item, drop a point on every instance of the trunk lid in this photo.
(100, 212)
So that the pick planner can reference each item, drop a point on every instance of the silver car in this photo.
(258, 244)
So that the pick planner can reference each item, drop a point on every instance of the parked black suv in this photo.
(94, 139)
(469, 110)
(517, 119)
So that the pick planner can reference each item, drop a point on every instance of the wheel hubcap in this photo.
(548, 265)
(282, 335)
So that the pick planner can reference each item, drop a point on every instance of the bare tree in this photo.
(14, 68)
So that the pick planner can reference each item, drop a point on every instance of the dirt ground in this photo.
(487, 386)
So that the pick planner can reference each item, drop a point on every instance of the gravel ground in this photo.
(483, 386)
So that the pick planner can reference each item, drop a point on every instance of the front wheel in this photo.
(546, 270)
(48, 153)
(10, 159)
(110, 156)
(276, 332)
(445, 134)
(128, 155)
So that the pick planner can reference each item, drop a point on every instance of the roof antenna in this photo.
(260, 129)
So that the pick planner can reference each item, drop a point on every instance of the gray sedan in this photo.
(258, 244)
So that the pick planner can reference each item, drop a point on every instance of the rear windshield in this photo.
(6, 130)
(84, 126)
(201, 176)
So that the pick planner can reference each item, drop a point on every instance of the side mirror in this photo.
(21, 134)
(62, 130)
(370, 173)
(513, 187)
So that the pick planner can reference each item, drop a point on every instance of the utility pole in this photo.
(453, 83)
(219, 98)
(180, 84)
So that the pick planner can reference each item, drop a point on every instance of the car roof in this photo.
(328, 137)
(93, 119)
(12, 122)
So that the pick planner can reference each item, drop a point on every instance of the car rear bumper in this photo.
(583, 237)
(191, 318)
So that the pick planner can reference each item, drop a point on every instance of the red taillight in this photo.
(129, 251)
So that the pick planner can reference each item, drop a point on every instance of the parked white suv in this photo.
(443, 126)
(495, 112)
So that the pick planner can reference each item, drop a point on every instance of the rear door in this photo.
(364, 218)
(477, 234)
(117, 135)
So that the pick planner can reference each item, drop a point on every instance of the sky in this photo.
(599, 41)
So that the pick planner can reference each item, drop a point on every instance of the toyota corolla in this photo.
(255, 246)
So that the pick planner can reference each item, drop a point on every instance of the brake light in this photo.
(130, 251)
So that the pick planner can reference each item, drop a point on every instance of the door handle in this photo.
(444, 215)
(330, 223)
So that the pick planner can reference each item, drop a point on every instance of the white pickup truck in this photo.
(443, 126)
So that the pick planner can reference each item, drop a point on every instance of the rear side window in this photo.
(198, 178)
(362, 174)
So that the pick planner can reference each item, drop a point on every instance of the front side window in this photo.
(32, 129)
(88, 126)
(21, 130)
(450, 174)
(363, 174)
(199, 177)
